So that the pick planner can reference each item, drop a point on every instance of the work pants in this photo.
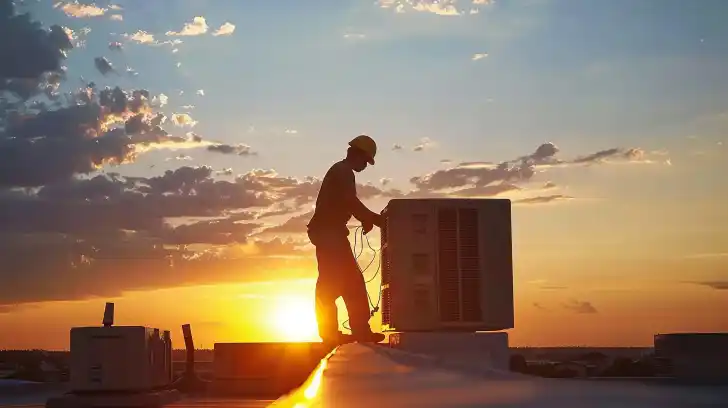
(339, 276)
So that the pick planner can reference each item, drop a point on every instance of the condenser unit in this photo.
(119, 358)
(447, 265)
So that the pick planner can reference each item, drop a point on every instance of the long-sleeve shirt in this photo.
(337, 201)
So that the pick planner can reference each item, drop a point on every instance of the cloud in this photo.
(197, 26)
(225, 29)
(397, 147)
(543, 285)
(354, 36)
(78, 10)
(472, 164)
(634, 155)
(438, 7)
(103, 65)
(717, 285)
(116, 17)
(29, 52)
(107, 127)
(471, 176)
(425, 143)
(180, 157)
(544, 199)
(77, 38)
(479, 56)
(240, 149)
(143, 37)
(183, 119)
(580, 307)
(133, 264)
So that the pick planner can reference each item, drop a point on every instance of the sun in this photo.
(294, 319)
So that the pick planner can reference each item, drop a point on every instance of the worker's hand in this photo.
(367, 226)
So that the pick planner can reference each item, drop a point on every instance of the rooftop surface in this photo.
(372, 376)
(357, 375)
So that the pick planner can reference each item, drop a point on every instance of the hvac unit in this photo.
(119, 358)
(447, 265)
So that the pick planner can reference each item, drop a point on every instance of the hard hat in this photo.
(365, 144)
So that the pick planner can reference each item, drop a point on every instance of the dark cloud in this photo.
(51, 146)
(56, 267)
(240, 149)
(103, 65)
(215, 232)
(480, 178)
(105, 204)
(580, 307)
(275, 210)
(544, 199)
(632, 154)
(28, 51)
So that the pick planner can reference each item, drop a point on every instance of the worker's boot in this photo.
(338, 338)
(368, 337)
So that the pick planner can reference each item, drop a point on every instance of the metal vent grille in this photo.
(386, 306)
(385, 260)
(469, 244)
(449, 287)
(459, 265)
(386, 266)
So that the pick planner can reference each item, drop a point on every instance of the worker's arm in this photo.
(360, 211)
(364, 214)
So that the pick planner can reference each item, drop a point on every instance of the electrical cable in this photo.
(375, 308)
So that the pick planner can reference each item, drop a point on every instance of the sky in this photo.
(165, 156)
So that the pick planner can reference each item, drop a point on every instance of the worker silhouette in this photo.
(339, 273)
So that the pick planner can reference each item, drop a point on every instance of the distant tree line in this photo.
(645, 366)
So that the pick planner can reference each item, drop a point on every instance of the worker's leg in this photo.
(353, 290)
(328, 288)
(357, 301)
(327, 291)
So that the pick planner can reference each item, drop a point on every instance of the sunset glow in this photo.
(295, 319)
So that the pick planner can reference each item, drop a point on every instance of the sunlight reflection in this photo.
(313, 388)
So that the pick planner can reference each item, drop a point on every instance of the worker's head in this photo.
(362, 150)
